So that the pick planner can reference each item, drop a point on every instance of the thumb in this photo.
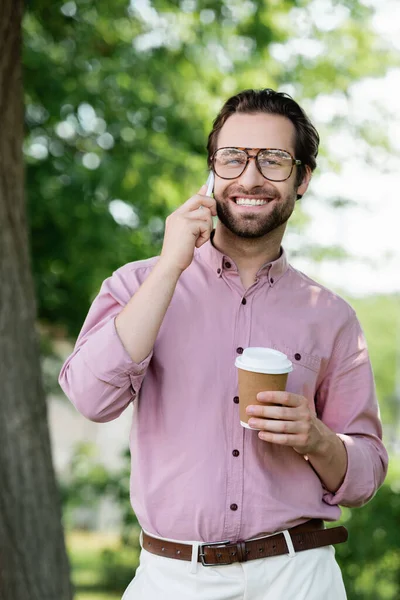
(203, 190)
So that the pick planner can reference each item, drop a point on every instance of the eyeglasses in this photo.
(274, 164)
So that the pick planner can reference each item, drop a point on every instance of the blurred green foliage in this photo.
(101, 568)
(87, 482)
(370, 560)
(380, 319)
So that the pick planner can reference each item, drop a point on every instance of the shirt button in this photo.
(235, 452)
(297, 356)
(271, 280)
(233, 507)
(244, 301)
(236, 399)
(239, 350)
(218, 271)
(228, 265)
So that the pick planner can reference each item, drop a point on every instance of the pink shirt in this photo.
(196, 473)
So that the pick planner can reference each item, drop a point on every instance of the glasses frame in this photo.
(295, 161)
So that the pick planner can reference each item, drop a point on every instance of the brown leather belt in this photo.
(306, 536)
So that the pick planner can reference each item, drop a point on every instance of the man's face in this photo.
(258, 130)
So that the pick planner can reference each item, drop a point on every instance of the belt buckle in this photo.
(203, 556)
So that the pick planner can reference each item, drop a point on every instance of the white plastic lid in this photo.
(264, 360)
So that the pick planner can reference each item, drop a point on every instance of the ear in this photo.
(301, 190)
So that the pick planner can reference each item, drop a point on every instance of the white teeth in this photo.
(250, 202)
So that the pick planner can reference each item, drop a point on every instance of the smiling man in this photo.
(230, 513)
(276, 164)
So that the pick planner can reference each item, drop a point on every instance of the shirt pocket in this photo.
(303, 379)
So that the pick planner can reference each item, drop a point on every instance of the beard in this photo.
(255, 224)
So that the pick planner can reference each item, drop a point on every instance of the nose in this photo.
(251, 176)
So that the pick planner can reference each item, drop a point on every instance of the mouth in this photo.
(242, 201)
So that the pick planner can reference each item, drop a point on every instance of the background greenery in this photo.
(119, 101)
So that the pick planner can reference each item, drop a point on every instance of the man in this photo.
(171, 327)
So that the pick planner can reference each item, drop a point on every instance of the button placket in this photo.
(235, 449)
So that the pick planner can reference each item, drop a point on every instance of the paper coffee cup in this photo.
(260, 370)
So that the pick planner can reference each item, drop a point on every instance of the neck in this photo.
(249, 254)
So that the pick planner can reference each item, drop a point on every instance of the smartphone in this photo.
(210, 184)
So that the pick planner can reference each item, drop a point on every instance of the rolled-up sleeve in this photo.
(346, 402)
(99, 377)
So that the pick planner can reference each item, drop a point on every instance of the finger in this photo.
(274, 426)
(283, 413)
(207, 202)
(204, 236)
(202, 217)
(282, 439)
(203, 213)
(202, 240)
(200, 226)
(203, 190)
(196, 201)
(283, 398)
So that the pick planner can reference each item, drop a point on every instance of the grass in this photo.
(100, 567)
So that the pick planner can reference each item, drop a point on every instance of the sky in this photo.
(369, 229)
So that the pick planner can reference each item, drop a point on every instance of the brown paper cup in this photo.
(250, 384)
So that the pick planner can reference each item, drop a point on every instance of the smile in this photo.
(250, 201)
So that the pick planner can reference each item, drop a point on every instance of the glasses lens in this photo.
(229, 162)
(276, 165)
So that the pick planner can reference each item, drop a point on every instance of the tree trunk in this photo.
(33, 560)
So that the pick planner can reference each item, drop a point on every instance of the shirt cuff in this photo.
(353, 490)
(106, 357)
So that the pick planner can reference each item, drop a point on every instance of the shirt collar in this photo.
(222, 264)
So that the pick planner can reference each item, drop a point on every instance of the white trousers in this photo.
(307, 575)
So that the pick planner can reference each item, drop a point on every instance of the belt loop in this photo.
(195, 558)
(289, 544)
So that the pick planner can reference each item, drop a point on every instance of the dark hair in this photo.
(276, 103)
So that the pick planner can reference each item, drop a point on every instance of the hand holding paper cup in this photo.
(260, 370)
